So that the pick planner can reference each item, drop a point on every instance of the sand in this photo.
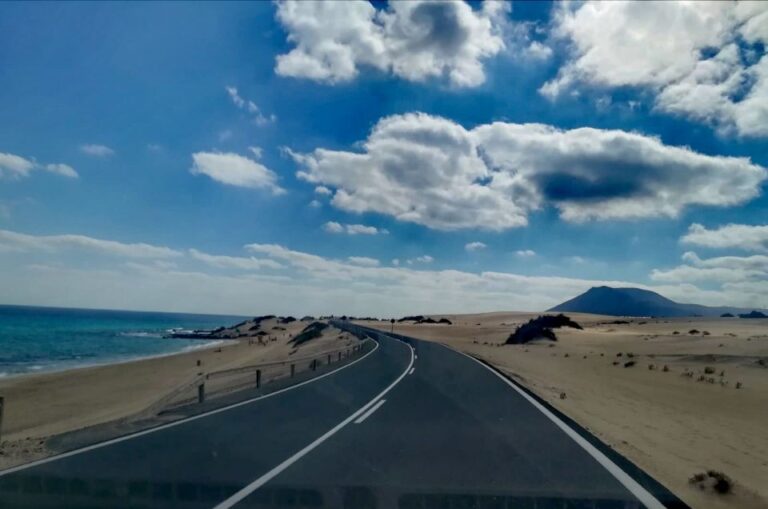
(42, 405)
(669, 424)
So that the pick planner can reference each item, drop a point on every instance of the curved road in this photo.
(412, 424)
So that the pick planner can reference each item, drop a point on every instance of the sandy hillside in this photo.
(38, 406)
(671, 424)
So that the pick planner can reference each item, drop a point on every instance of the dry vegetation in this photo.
(677, 396)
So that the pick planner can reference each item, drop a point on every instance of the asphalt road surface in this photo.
(411, 424)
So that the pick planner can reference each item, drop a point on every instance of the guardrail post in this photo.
(314, 365)
(329, 359)
(2, 404)
(201, 393)
(339, 355)
(293, 370)
(258, 378)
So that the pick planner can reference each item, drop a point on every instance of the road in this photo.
(410, 425)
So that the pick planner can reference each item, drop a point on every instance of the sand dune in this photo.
(670, 424)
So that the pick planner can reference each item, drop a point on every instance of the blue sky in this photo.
(507, 156)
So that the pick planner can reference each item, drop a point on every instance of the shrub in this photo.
(629, 364)
(708, 370)
(540, 328)
(693, 331)
(415, 318)
(718, 481)
(311, 331)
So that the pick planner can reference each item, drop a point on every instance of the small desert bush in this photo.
(718, 481)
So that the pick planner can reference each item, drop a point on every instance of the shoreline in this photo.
(202, 345)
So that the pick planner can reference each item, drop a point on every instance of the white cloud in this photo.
(431, 171)
(474, 246)
(256, 151)
(708, 63)
(538, 51)
(525, 253)
(740, 236)
(311, 284)
(235, 170)
(421, 259)
(96, 150)
(723, 269)
(234, 262)
(333, 227)
(414, 40)
(353, 229)
(322, 190)
(395, 262)
(363, 261)
(20, 242)
(14, 167)
(62, 169)
(249, 107)
(315, 204)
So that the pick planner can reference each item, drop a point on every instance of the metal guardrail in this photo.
(217, 383)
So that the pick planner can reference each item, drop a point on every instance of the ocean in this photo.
(37, 339)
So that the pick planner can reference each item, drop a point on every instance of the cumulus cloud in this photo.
(421, 259)
(21, 242)
(739, 236)
(322, 190)
(15, 167)
(235, 170)
(353, 229)
(95, 150)
(249, 107)
(525, 253)
(474, 246)
(234, 262)
(363, 261)
(432, 171)
(722, 269)
(414, 40)
(708, 63)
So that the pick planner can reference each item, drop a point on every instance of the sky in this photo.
(381, 158)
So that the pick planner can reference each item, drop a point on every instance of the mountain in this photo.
(604, 300)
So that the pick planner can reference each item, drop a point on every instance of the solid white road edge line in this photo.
(370, 411)
(261, 481)
(180, 421)
(643, 495)
(411, 371)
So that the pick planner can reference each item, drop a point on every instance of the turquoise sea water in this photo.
(35, 339)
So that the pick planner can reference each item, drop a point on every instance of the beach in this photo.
(39, 406)
(670, 424)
